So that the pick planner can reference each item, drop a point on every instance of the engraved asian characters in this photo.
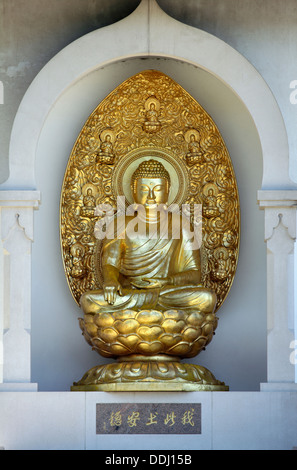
(148, 418)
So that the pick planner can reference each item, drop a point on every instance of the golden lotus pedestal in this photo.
(150, 374)
(128, 334)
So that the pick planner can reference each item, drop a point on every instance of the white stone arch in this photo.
(142, 35)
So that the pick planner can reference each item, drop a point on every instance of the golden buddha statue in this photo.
(155, 273)
(78, 270)
(210, 208)
(152, 307)
(195, 153)
(148, 291)
(221, 265)
(152, 123)
(89, 204)
(106, 155)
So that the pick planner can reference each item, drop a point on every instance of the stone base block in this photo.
(69, 421)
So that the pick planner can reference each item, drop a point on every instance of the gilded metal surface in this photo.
(149, 123)
(149, 375)
(149, 332)
(209, 181)
(149, 386)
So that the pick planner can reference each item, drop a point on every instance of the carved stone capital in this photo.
(280, 211)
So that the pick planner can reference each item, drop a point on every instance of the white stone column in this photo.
(16, 223)
(280, 235)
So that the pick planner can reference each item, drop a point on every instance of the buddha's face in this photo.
(148, 191)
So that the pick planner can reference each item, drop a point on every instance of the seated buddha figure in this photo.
(106, 154)
(150, 272)
(152, 123)
(195, 153)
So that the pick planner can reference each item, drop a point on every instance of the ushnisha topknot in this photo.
(150, 169)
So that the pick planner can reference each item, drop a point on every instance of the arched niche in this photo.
(57, 137)
(51, 116)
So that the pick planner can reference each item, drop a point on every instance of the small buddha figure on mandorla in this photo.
(150, 272)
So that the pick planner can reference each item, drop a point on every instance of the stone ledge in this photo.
(19, 198)
(277, 198)
(229, 421)
(18, 387)
(278, 387)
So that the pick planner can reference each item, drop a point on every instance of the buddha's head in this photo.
(150, 183)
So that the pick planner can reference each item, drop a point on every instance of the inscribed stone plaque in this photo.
(148, 418)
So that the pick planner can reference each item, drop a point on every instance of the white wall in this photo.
(60, 355)
(264, 32)
(31, 33)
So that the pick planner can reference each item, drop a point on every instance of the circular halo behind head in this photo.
(173, 170)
